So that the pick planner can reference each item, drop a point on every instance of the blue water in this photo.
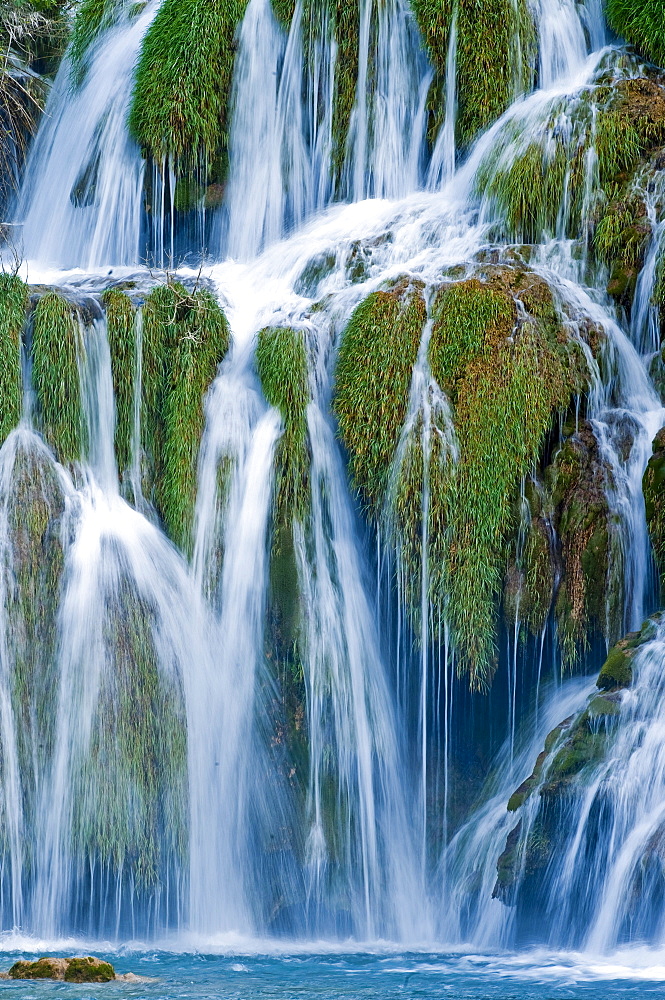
(386, 975)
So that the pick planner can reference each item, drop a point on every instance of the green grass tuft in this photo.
(120, 315)
(13, 311)
(57, 342)
(183, 81)
(281, 361)
(185, 337)
(377, 354)
(641, 22)
(495, 45)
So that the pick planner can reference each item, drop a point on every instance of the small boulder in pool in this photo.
(71, 970)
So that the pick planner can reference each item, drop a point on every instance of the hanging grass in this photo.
(131, 801)
(120, 317)
(641, 22)
(185, 337)
(495, 49)
(34, 508)
(13, 311)
(507, 389)
(378, 351)
(183, 82)
(57, 343)
(281, 361)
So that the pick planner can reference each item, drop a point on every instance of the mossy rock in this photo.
(576, 483)
(70, 970)
(57, 348)
(185, 338)
(617, 671)
(379, 347)
(495, 44)
(120, 322)
(13, 312)
(281, 361)
(654, 497)
(180, 103)
(493, 357)
(535, 178)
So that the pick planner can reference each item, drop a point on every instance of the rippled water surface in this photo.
(359, 975)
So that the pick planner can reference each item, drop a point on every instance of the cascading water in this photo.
(85, 208)
(161, 783)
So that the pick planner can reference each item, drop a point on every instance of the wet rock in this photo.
(654, 497)
(70, 970)
(617, 672)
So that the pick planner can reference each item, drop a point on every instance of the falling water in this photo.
(189, 813)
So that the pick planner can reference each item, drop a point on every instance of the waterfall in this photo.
(271, 732)
(81, 200)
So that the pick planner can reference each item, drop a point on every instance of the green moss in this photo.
(529, 178)
(590, 597)
(43, 968)
(283, 10)
(120, 316)
(183, 81)
(57, 343)
(654, 494)
(616, 672)
(187, 338)
(13, 310)
(34, 509)
(494, 55)
(641, 22)
(88, 970)
(583, 747)
(525, 374)
(281, 360)
(130, 783)
(379, 348)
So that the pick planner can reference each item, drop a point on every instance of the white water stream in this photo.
(234, 854)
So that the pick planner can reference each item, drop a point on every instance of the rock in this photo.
(653, 488)
(70, 970)
(617, 672)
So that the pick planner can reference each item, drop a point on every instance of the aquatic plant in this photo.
(120, 320)
(131, 798)
(281, 361)
(13, 311)
(185, 337)
(183, 81)
(57, 342)
(654, 493)
(379, 347)
(35, 562)
(495, 46)
(524, 372)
